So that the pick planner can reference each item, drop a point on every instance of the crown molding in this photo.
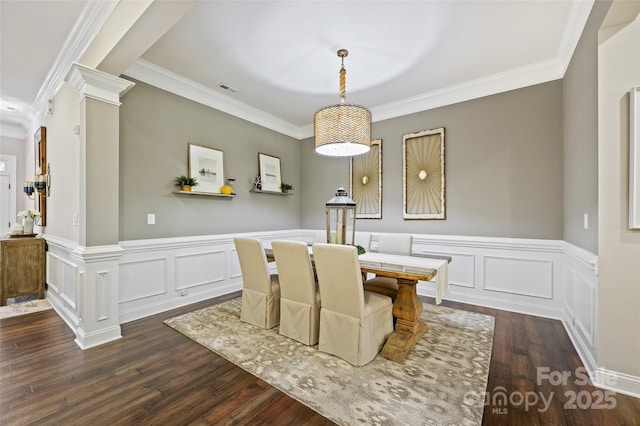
(98, 85)
(87, 26)
(522, 77)
(577, 20)
(95, 14)
(174, 83)
(529, 75)
(541, 72)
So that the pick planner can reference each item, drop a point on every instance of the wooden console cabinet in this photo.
(22, 267)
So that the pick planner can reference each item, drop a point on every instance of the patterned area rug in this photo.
(432, 387)
(23, 308)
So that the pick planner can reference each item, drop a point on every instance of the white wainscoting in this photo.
(82, 287)
(547, 278)
(580, 301)
(514, 274)
(63, 280)
(161, 274)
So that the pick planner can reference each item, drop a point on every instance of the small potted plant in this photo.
(186, 182)
(285, 187)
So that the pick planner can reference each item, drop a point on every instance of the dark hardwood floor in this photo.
(155, 375)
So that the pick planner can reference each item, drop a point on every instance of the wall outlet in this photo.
(151, 219)
(586, 221)
(75, 219)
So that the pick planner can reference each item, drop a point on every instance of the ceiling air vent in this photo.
(227, 88)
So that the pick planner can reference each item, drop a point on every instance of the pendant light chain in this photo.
(343, 82)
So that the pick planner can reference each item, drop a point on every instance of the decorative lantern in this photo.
(341, 218)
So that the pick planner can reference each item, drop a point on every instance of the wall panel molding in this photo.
(496, 272)
(84, 293)
(523, 276)
(580, 302)
(462, 270)
(63, 280)
(154, 269)
(198, 269)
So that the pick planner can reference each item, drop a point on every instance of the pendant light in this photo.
(342, 130)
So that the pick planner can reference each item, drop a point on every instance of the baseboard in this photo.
(496, 303)
(128, 315)
(617, 382)
(584, 351)
(90, 340)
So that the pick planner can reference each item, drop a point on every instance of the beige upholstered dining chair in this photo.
(354, 323)
(260, 289)
(363, 239)
(395, 243)
(299, 299)
(390, 244)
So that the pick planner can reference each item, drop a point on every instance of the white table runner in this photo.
(442, 266)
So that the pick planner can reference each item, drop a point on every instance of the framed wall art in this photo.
(634, 158)
(423, 175)
(270, 172)
(206, 165)
(365, 182)
(40, 168)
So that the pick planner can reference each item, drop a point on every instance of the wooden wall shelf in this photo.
(270, 192)
(206, 194)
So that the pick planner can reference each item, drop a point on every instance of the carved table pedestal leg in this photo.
(406, 308)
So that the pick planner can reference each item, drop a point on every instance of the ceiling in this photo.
(280, 56)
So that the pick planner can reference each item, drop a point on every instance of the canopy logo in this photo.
(499, 399)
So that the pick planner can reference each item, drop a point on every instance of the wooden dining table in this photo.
(407, 306)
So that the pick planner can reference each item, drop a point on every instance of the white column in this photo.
(99, 250)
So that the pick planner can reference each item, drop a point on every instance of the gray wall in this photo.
(155, 129)
(580, 136)
(503, 169)
(99, 152)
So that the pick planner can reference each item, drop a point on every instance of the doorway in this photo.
(7, 192)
